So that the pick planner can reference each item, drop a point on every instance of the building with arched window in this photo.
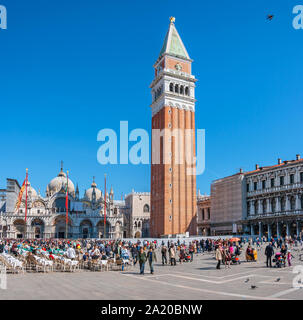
(46, 215)
(267, 201)
(274, 199)
(137, 218)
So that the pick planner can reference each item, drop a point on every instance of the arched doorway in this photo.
(4, 233)
(274, 230)
(145, 228)
(265, 230)
(138, 234)
(19, 226)
(86, 229)
(37, 228)
(293, 228)
(283, 230)
(100, 229)
(60, 227)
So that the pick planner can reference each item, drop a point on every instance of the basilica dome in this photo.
(59, 183)
(89, 192)
(31, 192)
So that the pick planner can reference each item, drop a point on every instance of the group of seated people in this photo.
(95, 253)
(251, 253)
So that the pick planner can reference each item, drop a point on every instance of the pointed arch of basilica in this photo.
(19, 228)
(37, 228)
(86, 229)
(59, 227)
(100, 229)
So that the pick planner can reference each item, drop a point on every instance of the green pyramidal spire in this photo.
(173, 44)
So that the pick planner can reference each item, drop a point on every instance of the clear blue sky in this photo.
(70, 68)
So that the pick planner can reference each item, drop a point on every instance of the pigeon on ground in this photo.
(277, 280)
(253, 287)
(246, 280)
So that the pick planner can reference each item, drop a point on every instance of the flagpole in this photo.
(26, 182)
(66, 205)
(105, 205)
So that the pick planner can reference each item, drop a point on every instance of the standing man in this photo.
(71, 254)
(164, 254)
(269, 252)
(191, 252)
(172, 255)
(142, 260)
(218, 256)
(134, 251)
(151, 259)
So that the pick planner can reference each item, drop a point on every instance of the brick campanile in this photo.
(173, 172)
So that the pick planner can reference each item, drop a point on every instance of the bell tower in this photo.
(173, 175)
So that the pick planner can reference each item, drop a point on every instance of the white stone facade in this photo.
(163, 94)
(138, 214)
(46, 216)
(274, 198)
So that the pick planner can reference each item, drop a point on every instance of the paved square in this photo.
(196, 280)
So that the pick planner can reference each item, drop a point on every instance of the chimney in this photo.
(257, 167)
(279, 161)
(241, 170)
(298, 157)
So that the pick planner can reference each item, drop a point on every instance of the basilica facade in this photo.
(46, 215)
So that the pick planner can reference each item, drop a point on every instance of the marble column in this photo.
(268, 205)
(273, 207)
(252, 208)
(278, 229)
(298, 205)
(251, 229)
(298, 228)
(260, 229)
(287, 204)
(288, 228)
(278, 206)
(269, 231)
(260, 207)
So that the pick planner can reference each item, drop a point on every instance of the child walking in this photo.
(289, 257)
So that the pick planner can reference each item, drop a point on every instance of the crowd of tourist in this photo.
(142, 252)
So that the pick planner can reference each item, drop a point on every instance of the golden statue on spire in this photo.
(172, 19)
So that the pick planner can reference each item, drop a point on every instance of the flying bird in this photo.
(270, 17)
